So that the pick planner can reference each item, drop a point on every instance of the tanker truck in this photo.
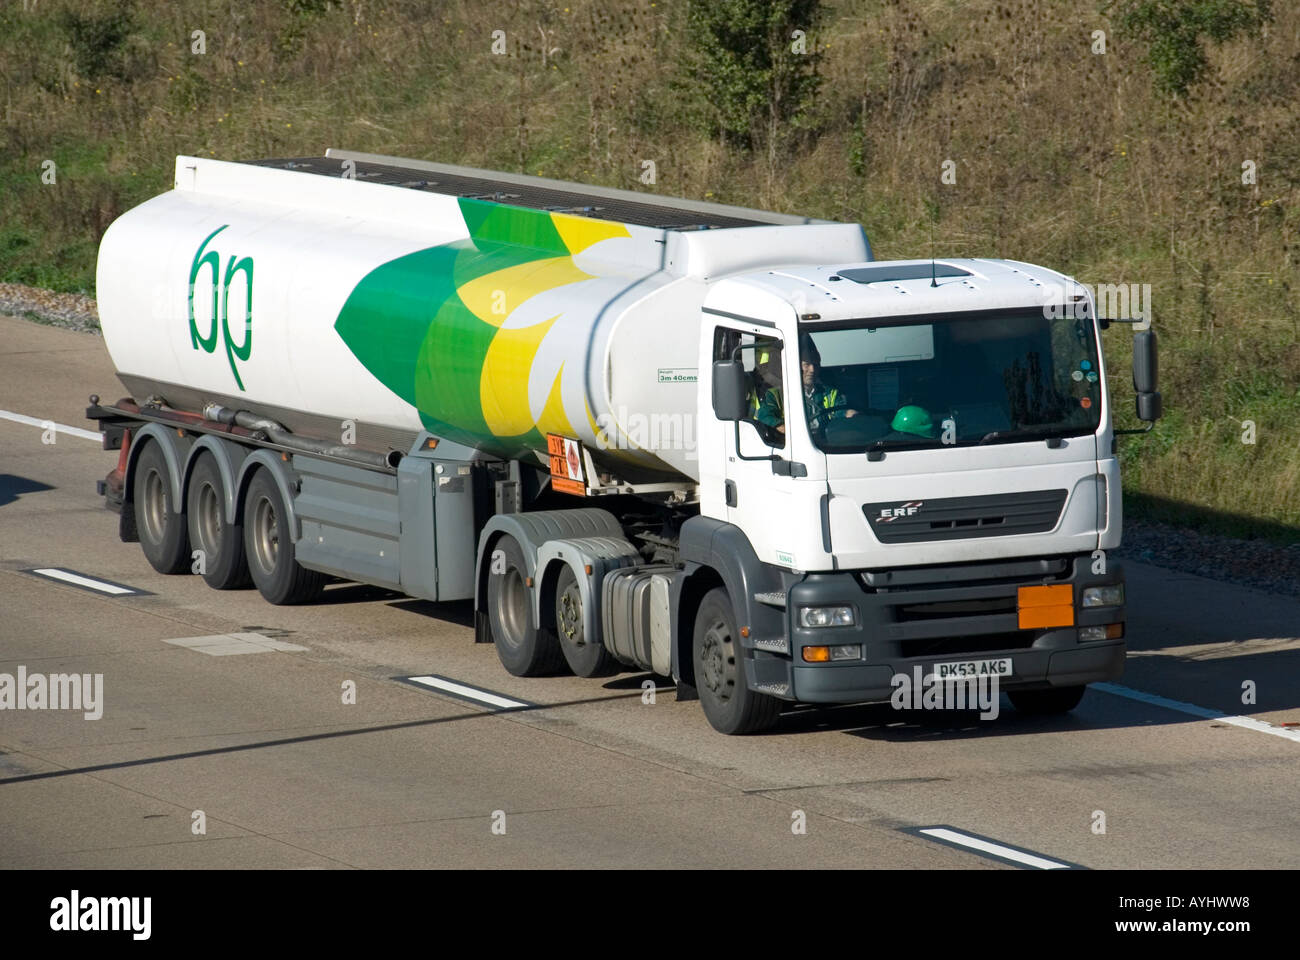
(568, 404)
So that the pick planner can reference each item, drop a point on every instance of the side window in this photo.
(724, 343)
(761, 358)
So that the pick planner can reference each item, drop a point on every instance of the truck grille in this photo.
(955, 518)
(983, 643)
(911, 612)
(958, 608)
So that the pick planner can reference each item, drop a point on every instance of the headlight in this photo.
(1109, 596)
(826, 617)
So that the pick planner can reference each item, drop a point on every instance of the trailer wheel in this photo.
(586, 656)
(269, 546)
(731, 707)
(525, 651)
(1046, 702)
(225, 564)
(162, 528)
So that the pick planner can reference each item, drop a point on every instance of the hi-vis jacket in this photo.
(821, 403)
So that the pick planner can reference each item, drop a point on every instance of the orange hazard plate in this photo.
(1046, 606)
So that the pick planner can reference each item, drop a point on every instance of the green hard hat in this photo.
(914, 420)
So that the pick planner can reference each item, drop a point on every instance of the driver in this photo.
(821, 403)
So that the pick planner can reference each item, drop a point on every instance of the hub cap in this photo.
(568, 614)
(266, 535)
(717, 661)
(155, 506)
(209, 519)
(513, 607)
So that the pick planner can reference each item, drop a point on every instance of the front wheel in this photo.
(1046, 702)
(729, 704)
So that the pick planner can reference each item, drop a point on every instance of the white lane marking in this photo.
(54, 573)
(470, 693)
(1246, 723)
(995, 849)
(234, 644)
(46, 424)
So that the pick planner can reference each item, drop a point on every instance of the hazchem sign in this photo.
(566, 464)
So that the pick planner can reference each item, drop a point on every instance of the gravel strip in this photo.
(1249, 563)
(72, 311)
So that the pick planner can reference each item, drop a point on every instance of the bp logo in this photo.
(217, 308)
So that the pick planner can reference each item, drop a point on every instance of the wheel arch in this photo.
(530, 531)
(690, 589)
(283, 477)
(174, 454)
(600, 555)
(229, 457)
(719, 554)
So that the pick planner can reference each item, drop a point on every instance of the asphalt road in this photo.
(287, 774)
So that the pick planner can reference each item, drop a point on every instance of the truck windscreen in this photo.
(954, 379)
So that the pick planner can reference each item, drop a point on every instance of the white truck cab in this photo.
(948, 452)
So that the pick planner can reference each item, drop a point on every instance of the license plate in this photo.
(967, 669)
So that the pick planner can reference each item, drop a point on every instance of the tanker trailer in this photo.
(566, 403)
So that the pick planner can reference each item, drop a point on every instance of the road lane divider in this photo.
(990, 848)
(85, 582)
(465, 692)
(51, 425)
(1205, 713)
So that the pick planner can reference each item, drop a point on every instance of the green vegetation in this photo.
(755, 66)
(1175, 31)
(1172, 159)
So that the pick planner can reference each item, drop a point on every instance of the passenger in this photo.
(767, 374)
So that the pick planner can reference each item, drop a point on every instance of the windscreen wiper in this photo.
(1034, 433)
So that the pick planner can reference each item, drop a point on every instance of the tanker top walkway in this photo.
(599, 203)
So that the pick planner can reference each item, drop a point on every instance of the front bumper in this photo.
(941, 616)
(1032, 669)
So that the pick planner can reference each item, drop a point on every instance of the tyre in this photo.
(731, 707)
(524, 650)
(586, 656)
(269, 546)
(1045, 702)
(161, 527)
(225, 565)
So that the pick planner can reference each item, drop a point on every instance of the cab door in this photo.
(756, 499)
